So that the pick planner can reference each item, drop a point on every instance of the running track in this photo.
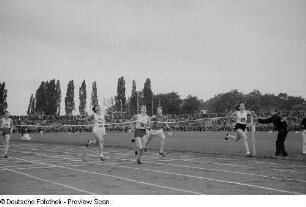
(54, 169)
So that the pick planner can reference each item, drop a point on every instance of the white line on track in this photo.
(225, 171)
(19, 166)
(291, 171)
(62, 149)
(29, 168)
(234, 172)
(186, 160)
(118, 177)
(271, 163)
(214, 180)
(260, 162)
(222, 180)
(52, 182)
(214, 163)
(203, 178)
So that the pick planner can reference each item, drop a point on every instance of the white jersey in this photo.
(242, 117)
(99, 124)
(6, 123)
(142, 121)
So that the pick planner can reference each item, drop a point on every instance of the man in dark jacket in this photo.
(303, 126)
(280, 125)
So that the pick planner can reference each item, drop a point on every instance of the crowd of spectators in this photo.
(182, 122)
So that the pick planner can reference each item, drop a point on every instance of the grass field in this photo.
(190, 142)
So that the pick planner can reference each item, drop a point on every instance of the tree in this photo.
(30, 107)
(190, 105)
(120, 99)
(253, 100)
(170, 102)
(69, 99)
(133, 99)
(58, 97)
(3, 96)
(224, 102)
(148, 96)
(51, 98)
(94, 94)
(82, 97)
(40, 97)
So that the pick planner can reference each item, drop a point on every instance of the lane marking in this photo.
(126, 179)
(52, 182)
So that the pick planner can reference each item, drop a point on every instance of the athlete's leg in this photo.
(148, 140)
(242, 134)
(235, 138)
(100, 142)
(162, 137)
(6, 142)
(139, 145)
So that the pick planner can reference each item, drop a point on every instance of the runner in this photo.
(241, 116)
(7, 129)
(157, 129)
(140, 128)
(98, 129)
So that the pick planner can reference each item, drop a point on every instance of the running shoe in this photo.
(162, 154)
(5, 156)
(102, 158)
(139, 162)
(87, 144)
(226, 138)
(249, 155)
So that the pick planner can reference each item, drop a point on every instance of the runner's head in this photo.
(143, 109)
(96, 108)
(240, 106)
(6, 114)
(159, 110)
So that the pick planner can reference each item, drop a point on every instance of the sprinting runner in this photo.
(140, 127)
(241, 116)
(7, 129)
(157, 129)
(98, 129)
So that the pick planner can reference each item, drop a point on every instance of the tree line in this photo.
(47, 100)
(255, 101)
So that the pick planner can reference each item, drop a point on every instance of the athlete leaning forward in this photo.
(241, 116)
(98, 129)
(140, 124)
(157, 125)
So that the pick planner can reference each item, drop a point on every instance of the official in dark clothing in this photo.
(280, 125)
(303, 126)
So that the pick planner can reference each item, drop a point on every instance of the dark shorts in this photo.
(140, 132)
(240, 126)
(5, 131)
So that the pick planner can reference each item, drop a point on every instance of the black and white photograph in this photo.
(132, 102)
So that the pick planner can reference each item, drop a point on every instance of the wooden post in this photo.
(253, 135)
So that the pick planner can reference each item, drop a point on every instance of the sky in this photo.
(193, 47)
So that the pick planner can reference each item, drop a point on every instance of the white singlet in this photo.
(6, 123)
(242, 117)
(141, 121)
(99, 124)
